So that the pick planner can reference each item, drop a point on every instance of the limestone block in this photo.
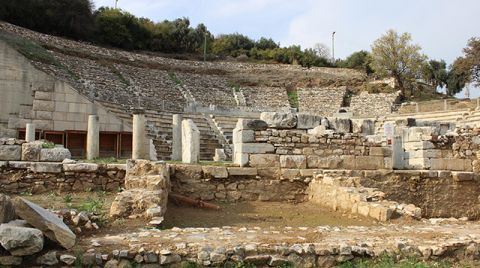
(254, 148)
(418, 145)
(7, 211)
(215, 172)
(363, 126)
(369, 162)
(363, 208)
(138, 202)
(43, 124)
(418, 163)
(438, 164)
(46, 167)
(243, 171)
(80, 167)
(348, 162)
(10, 152)
(21, 241)
(380, 212)
(308, 121)
(293, 161)
(50, 224)
(462, 176)
(240, 159)
(243, 135)
(252, 124)
(270, 173)
(57, 154)
(279, 120)
(310, 172)
(290, 174)
(264, 160)
(459, 164)
(332, 162)
(341, 125)
(43, 105)
(318, 131)
(31, 151)
(43, 115)
(190, 142)
(220, 155)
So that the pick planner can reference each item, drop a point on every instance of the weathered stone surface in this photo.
(243, 135)
(264, 160)
(7, 211)
(293, 161)
(50, 224)
(56, 154)
(21, 241)
(31, 151)
(279, 120)
(10, 261)
(314, 161)
(190, 142)
(254, 148)
(49, 259)
(46, 167)
(80, 167)
(242, 171)
(215, 172)
(220, 155)
(341, 125)
(252, 124)
(363, 126)
(67, 259)
(308, 121)
(10, 152)
(318, 130)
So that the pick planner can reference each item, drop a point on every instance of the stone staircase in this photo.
(222, 138)
(159, 128)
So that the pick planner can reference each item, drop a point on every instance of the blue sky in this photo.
(440, 27)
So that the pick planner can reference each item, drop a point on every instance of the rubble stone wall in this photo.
(321, 101)
(35, 177)
(366, 104)
(440, 194)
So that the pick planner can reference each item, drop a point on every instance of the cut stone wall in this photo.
(321, 101)
(371, 105)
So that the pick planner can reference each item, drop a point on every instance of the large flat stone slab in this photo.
(49, 223)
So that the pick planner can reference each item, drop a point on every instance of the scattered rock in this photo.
(68, 259)
(21, 241)
(7, 211)
(49, 258)
(10, 261)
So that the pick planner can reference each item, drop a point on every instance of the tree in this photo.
(471, 61)
(435, 73)
(458, 76)
(266, 43)
(360, 60)
(322, 50)
(232, 44)
(394, 55)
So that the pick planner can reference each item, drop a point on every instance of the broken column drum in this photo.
(139, 135)
(190, 142)
(177, 137)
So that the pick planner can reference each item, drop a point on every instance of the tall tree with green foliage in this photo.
(360, 60)
(394, 55)
(435, 73)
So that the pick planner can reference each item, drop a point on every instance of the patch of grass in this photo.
(175, 79)
(93, 204)
(48, 145)
(293, 99)
(390, 262)
(106, 160)
(29, 49)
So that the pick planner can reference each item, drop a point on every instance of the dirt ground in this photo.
(243, 214)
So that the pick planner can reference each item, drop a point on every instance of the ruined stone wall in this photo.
(366, 104)
(265, 98)
(34, 177)
(438, 193)
(321, 101)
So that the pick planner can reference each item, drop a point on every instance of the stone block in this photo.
(254, 148)
(463, 176)
(380, 212)
(243, 135)
(293, 161)
(43, 124)
(310, 172)
(459, 164)
(290, 174)
(341, 125)
(418, 145)
(43, 115)
(333, 162)
(279, 120)
(264, 160)
(43, 105)
(240, 159)
(21, 241)
(80, 167)
(46, 167)
(363, 126)
(220, 155)
(369, 162)
(57, 154)
(215, 172)
(271, 173)
(7, 211)
(348, 162)
(252, 124)
(242, 171)
(10, 152)
(31, 151)
(318, 131)
(190, 142)
(438, 164)
(308, 121)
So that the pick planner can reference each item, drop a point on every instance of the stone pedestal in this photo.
(30, 132)
(177, 137)
(139, 136)
(190, 142)
(93, 138)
